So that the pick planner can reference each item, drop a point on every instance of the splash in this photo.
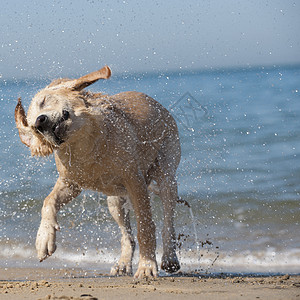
(184, 202)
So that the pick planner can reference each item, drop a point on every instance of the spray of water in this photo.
(184, 202)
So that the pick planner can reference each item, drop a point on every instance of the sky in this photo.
(41, 39)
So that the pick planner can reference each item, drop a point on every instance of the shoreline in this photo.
(67, 284)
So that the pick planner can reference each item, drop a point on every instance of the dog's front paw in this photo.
(121, 268)
(45, 240)
(146, 268)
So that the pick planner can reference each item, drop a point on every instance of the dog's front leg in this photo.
(62, 193)
(138, 192)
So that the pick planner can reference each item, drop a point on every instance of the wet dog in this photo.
(119, 145)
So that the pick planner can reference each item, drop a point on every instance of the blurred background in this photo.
(66, 38)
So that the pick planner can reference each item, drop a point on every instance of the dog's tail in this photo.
(153, 188)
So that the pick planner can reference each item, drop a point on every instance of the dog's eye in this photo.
(66, 114)
(43, 102)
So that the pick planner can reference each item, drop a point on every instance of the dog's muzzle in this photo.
(44, 125)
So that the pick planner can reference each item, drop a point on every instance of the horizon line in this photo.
(178, 71)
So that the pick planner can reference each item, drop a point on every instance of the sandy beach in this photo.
(25, 283)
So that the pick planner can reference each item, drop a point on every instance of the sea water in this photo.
(239, 172)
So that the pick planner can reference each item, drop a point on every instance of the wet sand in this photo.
(22, 283)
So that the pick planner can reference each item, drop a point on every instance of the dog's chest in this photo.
(92, 174)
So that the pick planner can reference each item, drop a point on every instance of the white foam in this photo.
(269, 260)
(249, 261)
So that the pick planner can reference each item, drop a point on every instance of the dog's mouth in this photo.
(59, 127)
(54, 133)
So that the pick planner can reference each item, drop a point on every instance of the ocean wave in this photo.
(203, 261)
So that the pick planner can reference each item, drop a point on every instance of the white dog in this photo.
(115, 144)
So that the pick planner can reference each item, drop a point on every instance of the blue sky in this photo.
(63, 38)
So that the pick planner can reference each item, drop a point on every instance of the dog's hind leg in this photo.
(116, 206)
(167, 185)
(168, 195)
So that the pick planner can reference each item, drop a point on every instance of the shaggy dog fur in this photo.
(120, 145)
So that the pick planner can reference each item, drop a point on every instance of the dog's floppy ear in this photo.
(37, 146)
(89, 79)
(22, 125)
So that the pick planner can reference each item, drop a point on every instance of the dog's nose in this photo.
(41, 123)
(66, 115)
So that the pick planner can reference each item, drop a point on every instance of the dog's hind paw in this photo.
(121, 269)
(170, 264)
(146, 268)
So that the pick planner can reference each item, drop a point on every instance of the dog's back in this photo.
(152, 124)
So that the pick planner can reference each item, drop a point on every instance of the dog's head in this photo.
(53, 113)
